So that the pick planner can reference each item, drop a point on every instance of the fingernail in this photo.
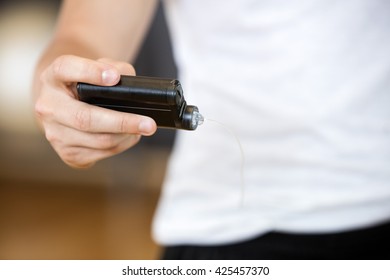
(146, 127)
(109, 76)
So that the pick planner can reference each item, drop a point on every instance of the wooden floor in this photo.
(51, 211)
(72, 222)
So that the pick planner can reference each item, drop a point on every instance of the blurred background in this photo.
(48, 210)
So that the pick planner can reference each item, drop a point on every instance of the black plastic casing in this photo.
(160, 99)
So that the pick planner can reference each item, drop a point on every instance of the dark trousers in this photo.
(369, 244)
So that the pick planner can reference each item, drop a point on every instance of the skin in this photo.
(92, 43)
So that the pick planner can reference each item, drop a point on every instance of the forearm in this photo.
(97, 28)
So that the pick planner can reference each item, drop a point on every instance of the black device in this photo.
(159, 98)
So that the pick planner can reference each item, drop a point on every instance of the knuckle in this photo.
(41, 109)
(68, 156)
(115, 150)
(123, 125)
(58, 65)
(83, 119)
(51, 136)
(106, 141)
(130, 141)
(73, 158)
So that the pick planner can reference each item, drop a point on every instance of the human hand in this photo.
(80, 133)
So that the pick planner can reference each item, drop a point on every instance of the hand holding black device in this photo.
(161, 99)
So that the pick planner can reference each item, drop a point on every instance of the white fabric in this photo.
(306, 87)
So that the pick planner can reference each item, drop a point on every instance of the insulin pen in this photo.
(160, 99)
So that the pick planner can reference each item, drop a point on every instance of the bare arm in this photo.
(100, 28)
(87, 30)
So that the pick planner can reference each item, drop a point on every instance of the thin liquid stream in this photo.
(242, 177)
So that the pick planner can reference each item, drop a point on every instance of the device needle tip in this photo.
(198, 118)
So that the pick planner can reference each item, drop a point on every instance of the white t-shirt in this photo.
(305, 85)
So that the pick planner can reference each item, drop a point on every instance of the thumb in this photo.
(71, 69)
(110, 77)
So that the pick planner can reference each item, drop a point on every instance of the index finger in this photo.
(94, 119)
